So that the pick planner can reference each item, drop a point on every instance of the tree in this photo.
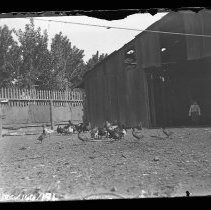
(9, 57)
(35, 57)
(96, 58)
(67, 62)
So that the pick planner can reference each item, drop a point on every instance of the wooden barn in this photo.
(154, 77)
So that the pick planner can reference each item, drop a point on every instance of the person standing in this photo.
(194, 112)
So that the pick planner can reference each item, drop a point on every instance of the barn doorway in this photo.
(172, 88)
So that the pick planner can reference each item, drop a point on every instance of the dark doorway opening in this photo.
(173, 87)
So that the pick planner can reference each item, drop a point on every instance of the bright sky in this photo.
(88, 38)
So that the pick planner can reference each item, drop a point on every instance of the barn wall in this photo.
(115, 93)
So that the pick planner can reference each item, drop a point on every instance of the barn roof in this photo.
(169, 22)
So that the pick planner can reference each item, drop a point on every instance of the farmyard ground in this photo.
(69, 168)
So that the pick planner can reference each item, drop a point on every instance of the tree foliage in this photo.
(67, 61)
(34, 54)
(30, 61)
(9, 56)
(96, 58)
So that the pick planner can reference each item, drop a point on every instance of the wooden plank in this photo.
(5, 93)
(19, 93)
(2, 93)
(42, 94)
(8, 93)
(16, 93)
(54, 95)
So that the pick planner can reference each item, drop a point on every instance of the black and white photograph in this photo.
(98, 109)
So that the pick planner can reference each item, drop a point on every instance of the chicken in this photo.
(49, 131)
(59, 130)
(114, 132)
(139, 127)
(86, 127)
(70, 129)
(67, 129)
(83, 127)
(42, 135)
(111, 127)
(136, 134)
(167, 133)
(78, 127)
(121, 129)
(70, 124)
(102, 132)
(94, 133)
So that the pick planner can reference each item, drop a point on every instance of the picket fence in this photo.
(31, 106)
(24, 97)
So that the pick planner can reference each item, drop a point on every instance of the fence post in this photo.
(1, 116)
(0, 122)
(51, 113)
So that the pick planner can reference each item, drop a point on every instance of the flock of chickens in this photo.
(114, 131)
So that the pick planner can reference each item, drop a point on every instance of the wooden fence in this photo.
(29, 106)
(24, 97)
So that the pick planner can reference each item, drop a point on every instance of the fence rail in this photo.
(24, 97)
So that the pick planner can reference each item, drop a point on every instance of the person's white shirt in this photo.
(194, 108)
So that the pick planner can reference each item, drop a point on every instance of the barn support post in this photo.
(152, 99)
(146, 95)
(51, 113)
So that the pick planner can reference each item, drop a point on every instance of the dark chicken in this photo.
(68, 125)
(167, 133)
(60, 130)
(67, 129)
(86, 127)
(94, 133)
(139, 127)
(115, 132)
(137, 134)
(102, 132)
(136, 131)
(42, 135)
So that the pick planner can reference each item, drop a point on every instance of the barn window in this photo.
(130, 58)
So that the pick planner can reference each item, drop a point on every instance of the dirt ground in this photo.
(69, 168)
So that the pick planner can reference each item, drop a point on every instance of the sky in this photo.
(88, 38)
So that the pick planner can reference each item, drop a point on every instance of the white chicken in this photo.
(70, 129)
(48, 131)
